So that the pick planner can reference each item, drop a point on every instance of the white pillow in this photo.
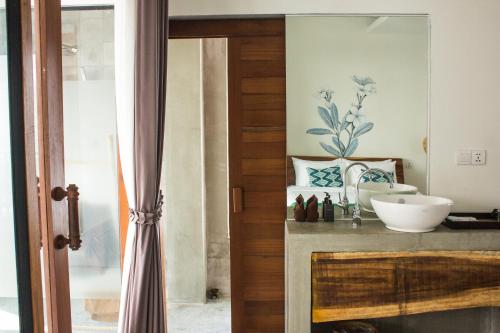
(357, 170)
(300, 166)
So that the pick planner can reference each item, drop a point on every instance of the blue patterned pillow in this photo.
(328, 177)
(376, 177)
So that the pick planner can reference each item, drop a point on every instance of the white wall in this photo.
(464, 75)
(394, 55)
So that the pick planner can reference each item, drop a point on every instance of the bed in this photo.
(293, 190)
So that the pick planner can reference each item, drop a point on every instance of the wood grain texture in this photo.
(290, 171)
(263, 166)
(373, 285)
(264, 102)
(53, 214)
(257, 164)
(263, 85)
(264, 135)
(263, 118)
(269, 150)
(223, 28)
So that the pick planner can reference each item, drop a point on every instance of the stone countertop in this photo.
(373, 236)
(303, 238)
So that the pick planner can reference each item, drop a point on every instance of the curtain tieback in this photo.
(152, 217)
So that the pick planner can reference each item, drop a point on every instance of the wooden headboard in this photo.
(290, 171)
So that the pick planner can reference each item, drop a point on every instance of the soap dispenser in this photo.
(328, 209)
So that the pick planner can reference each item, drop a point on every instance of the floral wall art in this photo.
(344, 132)
(391, 68)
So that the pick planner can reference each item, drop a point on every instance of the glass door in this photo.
(90, 161)
(78, 167)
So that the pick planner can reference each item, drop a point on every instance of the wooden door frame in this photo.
(271, 25)
(231, 28)
(24, 182)
(51, 159)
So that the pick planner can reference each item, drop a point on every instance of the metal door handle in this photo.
(73, 240)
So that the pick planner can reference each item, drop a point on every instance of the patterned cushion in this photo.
(376, 177)
(329, 177)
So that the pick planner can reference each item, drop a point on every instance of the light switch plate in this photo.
(463, 157)
(478, 157)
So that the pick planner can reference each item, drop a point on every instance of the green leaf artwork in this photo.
(344, 133)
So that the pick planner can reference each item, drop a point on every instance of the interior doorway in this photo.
(195, 185)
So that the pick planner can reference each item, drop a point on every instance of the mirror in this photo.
(357, 89)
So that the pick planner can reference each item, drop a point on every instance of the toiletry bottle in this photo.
(328, 209)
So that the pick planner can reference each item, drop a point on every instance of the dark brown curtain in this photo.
(142, 303)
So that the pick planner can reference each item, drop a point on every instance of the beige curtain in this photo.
(141, 54)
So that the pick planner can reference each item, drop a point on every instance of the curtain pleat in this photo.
(141, 129)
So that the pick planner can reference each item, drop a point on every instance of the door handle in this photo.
(237, 199)
(73, 240)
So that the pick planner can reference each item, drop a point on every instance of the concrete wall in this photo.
(464, 70)
(195, 170)
(395, 55)
(215, 133)
(184, 188)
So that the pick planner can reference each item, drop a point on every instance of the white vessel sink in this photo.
(367, 190)
(411, 213)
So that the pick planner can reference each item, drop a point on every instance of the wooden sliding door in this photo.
(257, 179)
(257, 164)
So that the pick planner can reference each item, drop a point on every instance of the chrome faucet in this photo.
(356, 211)
(344, 202)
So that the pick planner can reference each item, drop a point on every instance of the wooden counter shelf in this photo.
(384, 284)
(335, 272)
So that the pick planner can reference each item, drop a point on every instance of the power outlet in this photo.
(478, 157)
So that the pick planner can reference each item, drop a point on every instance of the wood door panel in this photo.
(271, 308)
(263, 231)
(264, 247)
(263, 85)
(263, 239)
(372, 285)
(264, 118)
(264, 184)
(257, 159)
(264, 136)
(257, 69)
(263, 102)
(263, 167)
(264, 200)
(263, 265)
(265, 316)
(268, 48)
(259, 150)
(263, 285)
(255, 216)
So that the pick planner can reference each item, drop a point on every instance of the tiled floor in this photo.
(213, 317)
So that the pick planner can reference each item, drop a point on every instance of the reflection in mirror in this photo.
(357, 90)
